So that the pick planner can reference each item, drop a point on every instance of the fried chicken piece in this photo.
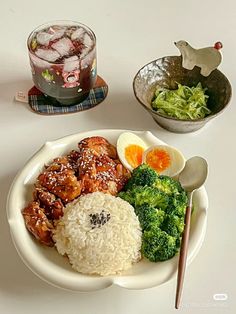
(59, 179)
(72, 158)
(99, 146)
(59, 164)
(101, 173)
(38, 224)
(53, 206)
(122, 174)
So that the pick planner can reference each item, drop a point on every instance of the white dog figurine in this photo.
(207, 59)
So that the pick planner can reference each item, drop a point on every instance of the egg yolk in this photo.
(133, 155)
(158, 159)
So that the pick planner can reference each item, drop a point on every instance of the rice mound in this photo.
(100, 234)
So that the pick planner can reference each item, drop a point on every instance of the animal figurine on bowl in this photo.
(207, 58)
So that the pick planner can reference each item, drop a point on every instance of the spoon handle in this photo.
(183, 253)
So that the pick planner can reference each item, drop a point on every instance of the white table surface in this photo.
(129, 34)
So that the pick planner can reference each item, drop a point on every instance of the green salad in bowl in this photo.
(182, 103)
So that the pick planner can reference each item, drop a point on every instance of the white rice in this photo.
(102, 249)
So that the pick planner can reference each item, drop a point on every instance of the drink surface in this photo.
(63, 61)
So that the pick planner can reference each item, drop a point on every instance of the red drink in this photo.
(63, 61)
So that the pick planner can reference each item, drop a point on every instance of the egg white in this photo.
(177, 160)
(124, 140)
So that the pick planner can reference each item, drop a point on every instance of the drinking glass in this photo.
(63, 61)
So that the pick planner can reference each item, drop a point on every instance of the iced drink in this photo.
(63, 61)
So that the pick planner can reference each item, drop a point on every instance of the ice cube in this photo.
(71, 64)
(57, 32)
(77, 33)
(47, 54)
(39, 62)
(87, 41)
(43, 38)
(84, 52)
(63, 46)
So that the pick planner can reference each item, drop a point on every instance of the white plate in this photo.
(46, 263)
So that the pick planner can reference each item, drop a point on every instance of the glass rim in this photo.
(60, 22)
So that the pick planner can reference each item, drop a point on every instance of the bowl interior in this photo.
(168, 71)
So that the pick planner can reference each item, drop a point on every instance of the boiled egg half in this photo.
(164, 159)
(130, 149)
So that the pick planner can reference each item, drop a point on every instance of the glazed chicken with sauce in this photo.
(94, 167)
(99, 167)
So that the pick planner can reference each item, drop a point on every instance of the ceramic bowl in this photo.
(167, 72)
(55, 269)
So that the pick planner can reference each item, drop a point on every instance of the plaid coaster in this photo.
(42, 104)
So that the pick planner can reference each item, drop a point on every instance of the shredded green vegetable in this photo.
(188, 103)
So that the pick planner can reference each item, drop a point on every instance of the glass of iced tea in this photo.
(63, 61)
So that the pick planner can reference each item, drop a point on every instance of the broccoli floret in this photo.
(141, 176)
(178, 243)
(168, 185)
(157, 245)
(177, 204)
(173, 225)
(177, 196)
(128, 196)
(140, 195)
(149, 216)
